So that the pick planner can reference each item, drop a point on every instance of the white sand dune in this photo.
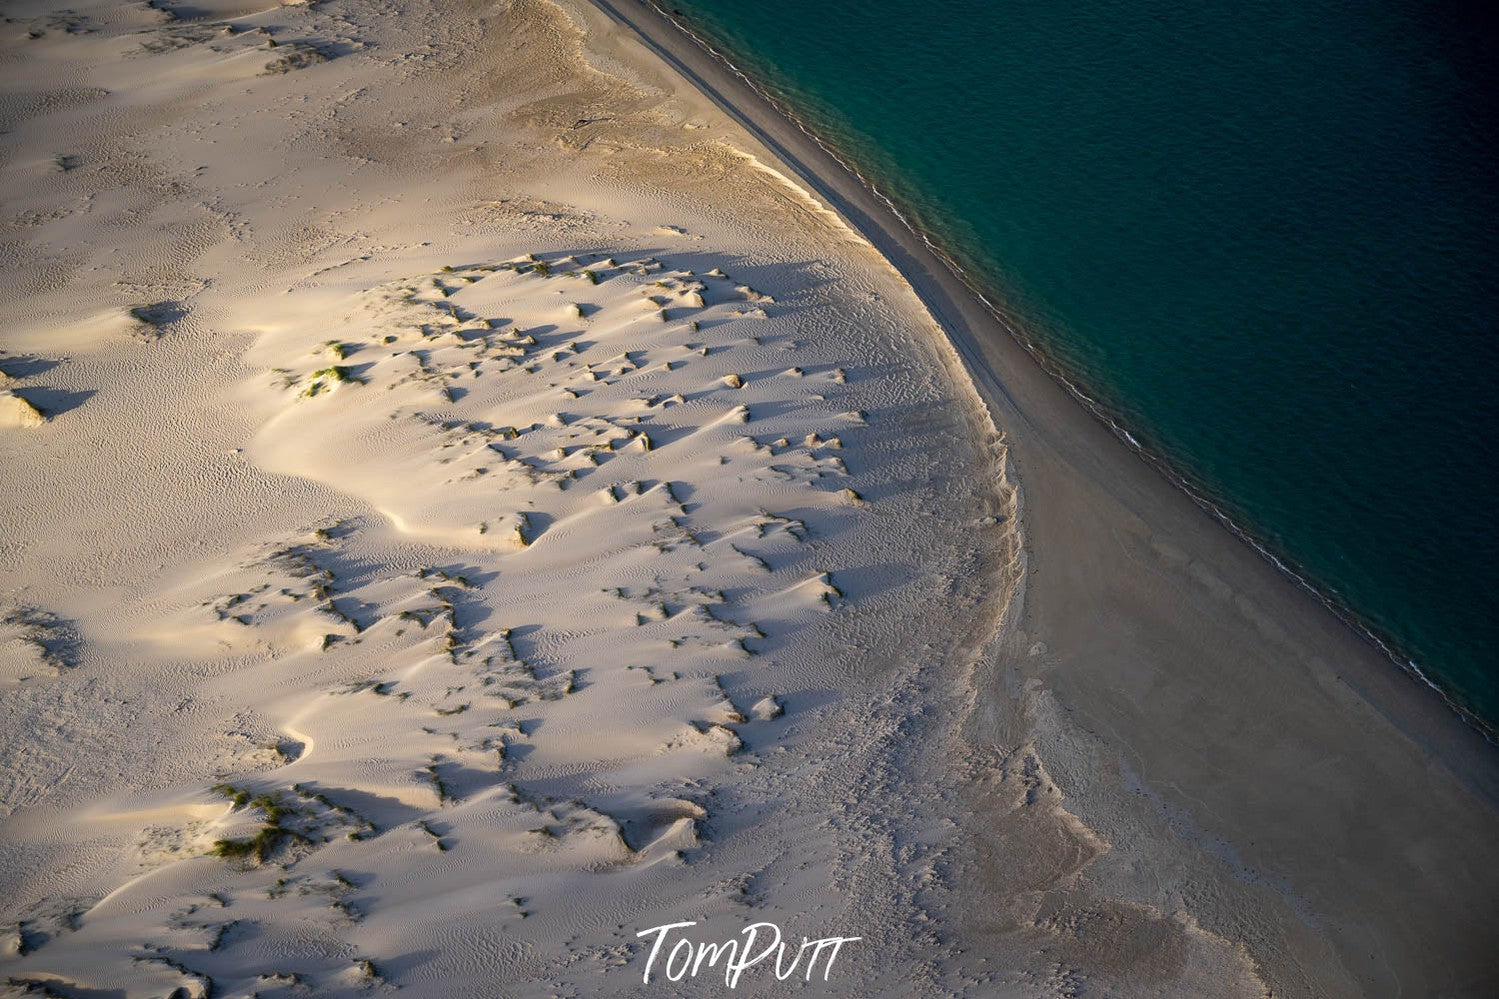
(466, 525)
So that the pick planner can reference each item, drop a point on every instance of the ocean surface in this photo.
(1264, 236)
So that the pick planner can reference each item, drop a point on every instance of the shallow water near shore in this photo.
(1263, 239)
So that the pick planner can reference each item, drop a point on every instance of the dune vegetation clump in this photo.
(303, 818)
(328, 378)
(256, 848)
(237, 796)
(268, 839)
(300, 55)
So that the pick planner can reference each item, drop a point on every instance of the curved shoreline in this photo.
(928, 291)
(1180, 659)
(1283, 562)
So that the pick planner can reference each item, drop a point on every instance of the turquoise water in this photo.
(1264, 235)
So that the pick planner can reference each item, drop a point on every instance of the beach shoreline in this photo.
(881, 235)
(1056, 440)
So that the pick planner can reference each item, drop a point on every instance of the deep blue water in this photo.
(1264, 235)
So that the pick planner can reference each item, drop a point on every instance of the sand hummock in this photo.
(16, 411)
